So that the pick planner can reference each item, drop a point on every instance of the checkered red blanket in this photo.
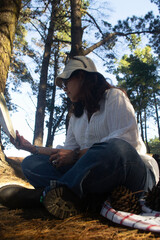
(148, 220)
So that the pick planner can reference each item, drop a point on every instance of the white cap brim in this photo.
(76, 63)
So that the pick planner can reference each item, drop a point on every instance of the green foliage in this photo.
(137, 74)
(154, 145)
(147, 25)
(85, 4)
(134, 41)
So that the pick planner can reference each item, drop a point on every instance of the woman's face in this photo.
(72, 88)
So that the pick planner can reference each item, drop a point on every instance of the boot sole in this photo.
(61, 203)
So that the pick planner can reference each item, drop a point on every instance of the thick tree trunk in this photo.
(76, 36)
(41, 104)
(76, 28)
(9, 13)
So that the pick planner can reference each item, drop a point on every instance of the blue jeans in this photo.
(104, 167)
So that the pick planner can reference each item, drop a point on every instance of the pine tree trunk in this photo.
(49, 141)
(141, 124)
(146, 139)
(57, 124)
(76, 37)
(41, 104)
(76, 28)
(157, 115)
(9, 13)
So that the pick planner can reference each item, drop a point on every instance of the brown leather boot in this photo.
(15, 196)
(62, 203)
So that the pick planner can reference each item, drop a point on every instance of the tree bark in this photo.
(157, 115)
(141, 124)
(56, 125)
(41, 102)
(49, 141)
(146, 139)
(76, 28)
(9, 13)
(100, 43)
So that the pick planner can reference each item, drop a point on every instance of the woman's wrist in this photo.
(32, 149)
(76, 154)
(41, 150)
(36, 149)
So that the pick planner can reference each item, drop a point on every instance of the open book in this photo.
(5, 120)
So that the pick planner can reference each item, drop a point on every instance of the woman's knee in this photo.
(112, 150)
(121, 146)
(27, 162)
(124, 150)
(32, 161)
(115, 154)
(114, 145)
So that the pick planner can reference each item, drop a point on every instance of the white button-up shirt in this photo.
(115, 119)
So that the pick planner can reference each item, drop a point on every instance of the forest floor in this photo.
(23, 224)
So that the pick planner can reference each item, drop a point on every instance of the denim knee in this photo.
(39, 171)
(115, 152)
(25, 161)
(28, 162)
(33, 162)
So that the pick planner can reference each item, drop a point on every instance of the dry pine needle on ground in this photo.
(35, 224)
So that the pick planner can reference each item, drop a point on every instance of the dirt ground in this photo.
(23, 224)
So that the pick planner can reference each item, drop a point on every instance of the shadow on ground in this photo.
(23, 224)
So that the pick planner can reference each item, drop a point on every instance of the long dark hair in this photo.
(92, 90)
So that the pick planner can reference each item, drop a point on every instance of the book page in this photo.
(5, 120)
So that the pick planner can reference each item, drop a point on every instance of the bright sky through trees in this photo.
(120, 9)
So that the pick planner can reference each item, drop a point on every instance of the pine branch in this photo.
(38, 31)
(93, 19)
(112, 35)
(61, 41)
(100, 43)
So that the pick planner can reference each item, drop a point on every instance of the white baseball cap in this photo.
(76, 63)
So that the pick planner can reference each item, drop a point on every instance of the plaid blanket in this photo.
(148, 220)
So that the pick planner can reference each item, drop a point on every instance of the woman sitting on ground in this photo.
(102, 150)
